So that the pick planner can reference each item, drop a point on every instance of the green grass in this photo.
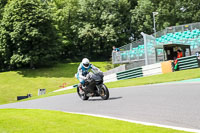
(24, 81)
(161, 78)
(44, 121)
(51, 94)
(28, 81)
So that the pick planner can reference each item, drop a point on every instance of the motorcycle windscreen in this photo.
(96, 77)
(91, 86)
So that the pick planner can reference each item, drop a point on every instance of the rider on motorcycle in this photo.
(83, 71)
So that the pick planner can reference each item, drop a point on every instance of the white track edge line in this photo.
(139, 122)
(132, 121)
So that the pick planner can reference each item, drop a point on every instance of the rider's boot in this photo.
(90, 94)
(84, 87)
(81, 89)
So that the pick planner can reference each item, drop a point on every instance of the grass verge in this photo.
(24, 81)
(37, 121)
(162, 78)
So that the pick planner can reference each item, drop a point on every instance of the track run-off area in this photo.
(170, 104)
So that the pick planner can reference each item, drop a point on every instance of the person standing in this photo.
(179, 55)
(115, 49)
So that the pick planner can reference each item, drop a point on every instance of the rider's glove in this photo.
(88, 76)
(84, 78)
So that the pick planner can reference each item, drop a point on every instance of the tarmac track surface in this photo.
(172, 104)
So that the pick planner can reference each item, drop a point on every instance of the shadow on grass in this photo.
(57, 71)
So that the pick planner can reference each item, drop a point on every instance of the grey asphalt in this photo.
(172, 104)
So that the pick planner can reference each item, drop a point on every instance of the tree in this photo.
(65, 18)
(142, 18)
(27, 37)
(188, 11)
(170, 13)
(91, 27)
(102, 24)
(2, 5)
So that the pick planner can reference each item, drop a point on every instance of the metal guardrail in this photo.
(188, 62)
(132, 73)
(184, 63)
(135, 51)
(180, 28)
(123, 57)
(132, 45)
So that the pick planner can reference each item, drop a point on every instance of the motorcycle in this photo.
(93, 87)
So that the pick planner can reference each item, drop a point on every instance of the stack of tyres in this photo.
(188, 62)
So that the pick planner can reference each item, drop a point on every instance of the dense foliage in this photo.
(170, 13)
(35, 32)
(27, 35)
(91, 27)
(2, 5)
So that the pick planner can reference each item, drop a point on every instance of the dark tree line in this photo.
(39, 32)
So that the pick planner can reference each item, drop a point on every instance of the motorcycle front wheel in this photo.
(104, 92)
(82, 96)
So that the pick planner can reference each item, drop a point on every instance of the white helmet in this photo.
(85, 62)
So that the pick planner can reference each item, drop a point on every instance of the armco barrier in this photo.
(110, 78)
(188, 62)
(153, 69)
(131, 73)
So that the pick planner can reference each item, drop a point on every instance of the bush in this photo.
(27, 36)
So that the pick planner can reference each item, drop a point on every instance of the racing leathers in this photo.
(82, 72)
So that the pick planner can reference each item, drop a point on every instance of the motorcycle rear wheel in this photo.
(104, 92)
(82, 96)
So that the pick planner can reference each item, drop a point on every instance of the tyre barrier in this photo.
(148, 70)
(131, 73)
(188, 62)
(154, 69)
(110, 78)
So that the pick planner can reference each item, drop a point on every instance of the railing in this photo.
(135, 51)
(184, 63)
(132, 45)
(180, 28)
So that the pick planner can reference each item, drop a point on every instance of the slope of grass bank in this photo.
(161, 78)
(38, 121)
(24, 81)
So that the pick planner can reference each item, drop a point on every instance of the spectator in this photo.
(115, 54)
(115, 49)
(198, 54)
(179, 55)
